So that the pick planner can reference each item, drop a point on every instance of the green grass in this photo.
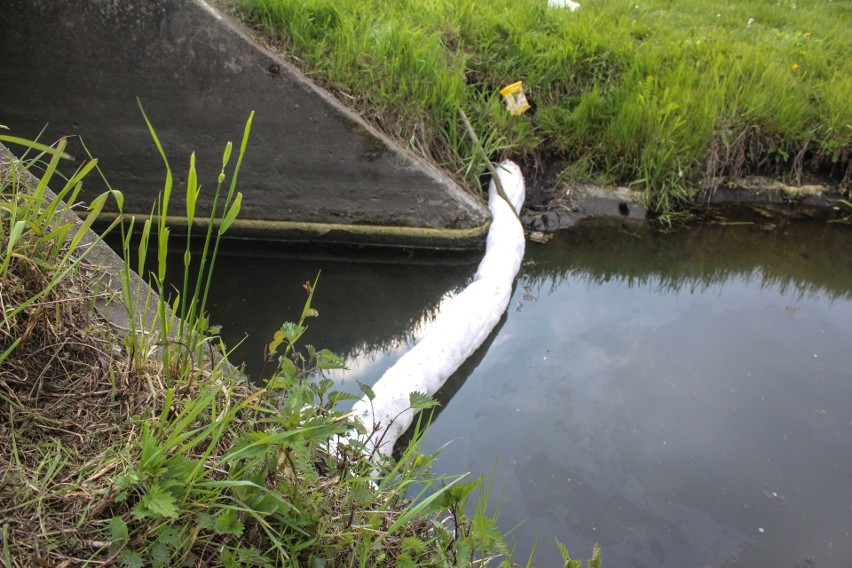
(665, 95)
(143, 451)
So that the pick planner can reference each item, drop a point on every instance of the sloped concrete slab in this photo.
(314, 170)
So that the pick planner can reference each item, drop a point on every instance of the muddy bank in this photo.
(553, 207)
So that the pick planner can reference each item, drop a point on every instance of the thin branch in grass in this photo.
(494, 176)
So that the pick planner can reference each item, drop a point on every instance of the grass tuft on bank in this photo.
(665, 96)
(149, 450)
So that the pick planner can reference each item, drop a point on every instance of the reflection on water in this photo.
(681, 399)
(368, 304)
(799, 257)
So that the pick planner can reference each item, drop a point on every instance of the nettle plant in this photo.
(367, 509)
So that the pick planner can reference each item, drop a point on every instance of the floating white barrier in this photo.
(461, 326)
(570, 4)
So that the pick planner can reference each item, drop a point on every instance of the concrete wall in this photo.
(314, 170)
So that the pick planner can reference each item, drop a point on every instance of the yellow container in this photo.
(516, 99)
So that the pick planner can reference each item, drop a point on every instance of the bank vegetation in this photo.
(667, 97)
(145, 448)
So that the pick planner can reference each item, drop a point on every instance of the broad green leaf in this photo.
(267, 504)
(362, 491)
(414, 545)
(180, 467)
(458, 495)
(131, 559)
(127, 481)
(288, 369)
(160, 554)
(340, 396)
(228, 522)
(367, 390)
(328, 360)
(205, 520)
(157, 503)
(421, 401)
(117, 529)
(292, 331)
(485, 528)
(169, 535)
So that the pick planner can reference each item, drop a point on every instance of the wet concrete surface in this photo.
(77, 68)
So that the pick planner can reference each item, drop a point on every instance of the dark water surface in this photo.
(367, 304)
(685, 400)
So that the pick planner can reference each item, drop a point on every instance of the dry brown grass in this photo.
(67, 395)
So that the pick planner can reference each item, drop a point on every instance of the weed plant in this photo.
(665, 96)
(126, 452)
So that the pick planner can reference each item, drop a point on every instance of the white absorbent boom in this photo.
(464, 322)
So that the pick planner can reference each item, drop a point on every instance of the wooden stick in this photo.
(497, 183)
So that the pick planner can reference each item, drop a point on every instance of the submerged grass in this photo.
(666, 96)
(124, 451)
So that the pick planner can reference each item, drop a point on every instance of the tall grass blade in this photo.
(60, 152)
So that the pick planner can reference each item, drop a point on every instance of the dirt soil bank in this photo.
(552, 205)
